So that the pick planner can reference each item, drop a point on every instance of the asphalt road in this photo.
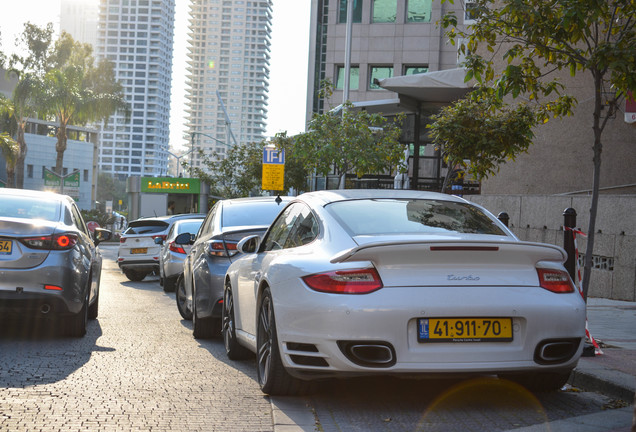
(139, 369)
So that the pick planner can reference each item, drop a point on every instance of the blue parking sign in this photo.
(272, 155)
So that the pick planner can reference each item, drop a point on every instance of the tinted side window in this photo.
(280, 229)
(208, 225)
(304, 231)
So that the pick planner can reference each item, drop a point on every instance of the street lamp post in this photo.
(178, 158)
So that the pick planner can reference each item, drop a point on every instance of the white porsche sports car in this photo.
(353, 282)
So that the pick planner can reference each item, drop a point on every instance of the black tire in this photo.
(272, 375)
(204, 328)
(185, 312)
(169, 283)
(233, 349)
(93, 309)
(76, 324)
(540, 381)
(135, 276)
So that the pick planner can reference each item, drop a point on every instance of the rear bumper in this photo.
(146, 265)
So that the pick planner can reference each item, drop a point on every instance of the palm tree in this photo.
(9, 149)
(75, 95)
(23, 105)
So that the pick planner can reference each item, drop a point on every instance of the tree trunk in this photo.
(598, 148)
(22, 152)
(60, 148)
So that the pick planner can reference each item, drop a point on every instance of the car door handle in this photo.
(257, 276)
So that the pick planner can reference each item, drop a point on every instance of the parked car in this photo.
(354, 282)
(138, 254)
(200, 290)
(173, 254)
(50, 265)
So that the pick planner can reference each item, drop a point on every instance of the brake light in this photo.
(174, 247)
(161, 236)
(557, 281)
(52, 242)
(219, 248)
(362, 281)
(122, 240)
(53, 288)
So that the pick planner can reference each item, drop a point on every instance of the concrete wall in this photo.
(540, 218)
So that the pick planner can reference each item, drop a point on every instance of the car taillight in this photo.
(161, 236)
(174, 247)
(362, 281)
(52, 242)
(122, 240)
(219, 248)
(557, 281)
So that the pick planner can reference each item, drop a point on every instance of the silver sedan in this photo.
(359, 282)
(50, 265)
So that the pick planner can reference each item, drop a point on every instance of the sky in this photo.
(288, 64)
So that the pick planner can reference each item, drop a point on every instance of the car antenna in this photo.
(278, 199)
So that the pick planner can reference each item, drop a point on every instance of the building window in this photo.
(29, 171)
(86, 175)
(357, 11)
(418, 11)
(414, 70)
(378, 73)
(384, 11)
(354, 78)
(470, 14)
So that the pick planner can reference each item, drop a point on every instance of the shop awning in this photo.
(443, 86)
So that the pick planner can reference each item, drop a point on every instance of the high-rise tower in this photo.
(137, 36)
(228, 70)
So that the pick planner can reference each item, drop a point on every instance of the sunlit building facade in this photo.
(228, 72)
(137, 36)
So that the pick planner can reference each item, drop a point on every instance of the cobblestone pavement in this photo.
(137, 369)
(140, 369)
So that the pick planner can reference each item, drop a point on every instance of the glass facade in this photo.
(354, 78)
(418, 11)
(384, 11)
(414, 70)
(357, 11)
(379, 73)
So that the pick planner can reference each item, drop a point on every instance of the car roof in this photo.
(325, 197)
(244, 200)
(34, 194)
(170, 218)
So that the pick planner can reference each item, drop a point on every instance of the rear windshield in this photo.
(190, 227)
(29, 208)
(251, 214)
(145, 227)
(390, 216)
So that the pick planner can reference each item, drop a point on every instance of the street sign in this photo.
(272, 155)
(273, 177)
(273, 168)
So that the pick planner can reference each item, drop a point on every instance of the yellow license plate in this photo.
(464, 329)
(139, 250)
(5, 247)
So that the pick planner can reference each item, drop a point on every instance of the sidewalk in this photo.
(612, 323)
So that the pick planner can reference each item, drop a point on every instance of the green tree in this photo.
(350, 141)
(9, 149)
(239, 173)
(21, 106)
(77, 92)
(34, 48)
(110, 188)
(534, 40)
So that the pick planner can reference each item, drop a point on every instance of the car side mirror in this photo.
(100, 234)
(184, 238)
(158, 240)
(249, 244)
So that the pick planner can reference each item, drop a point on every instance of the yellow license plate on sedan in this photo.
(5, 247)
(464, 329)
(139, 250)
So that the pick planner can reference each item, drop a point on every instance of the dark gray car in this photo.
(200, 289)
(50, 265)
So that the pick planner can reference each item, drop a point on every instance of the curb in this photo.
(608, 382)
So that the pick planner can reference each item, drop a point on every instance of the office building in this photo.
(80, 19)
(137, 36)
(228, 70)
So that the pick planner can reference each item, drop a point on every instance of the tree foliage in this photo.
(518, 48)
(239, 173)
(350, 141)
